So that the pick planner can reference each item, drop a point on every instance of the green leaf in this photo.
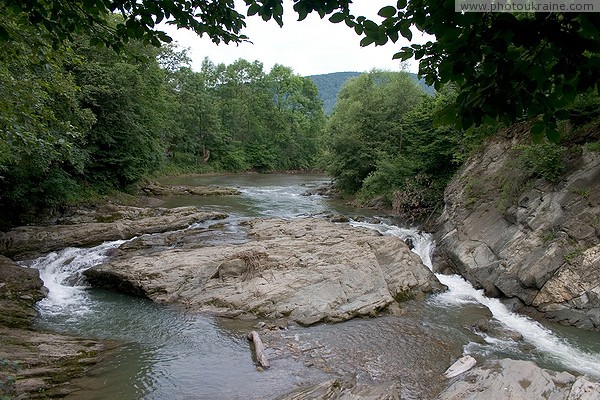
(401, 4)
(387, 12)
(4, 34)
(253, 9)
(404, 54)
(406, 32)
(366, 41)
(552, 134)
(337, 17)
(370, 26)
(537, 132)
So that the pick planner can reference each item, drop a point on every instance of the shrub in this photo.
(544, 160)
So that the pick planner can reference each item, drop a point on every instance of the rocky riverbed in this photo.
(524, 238)
(301, 271)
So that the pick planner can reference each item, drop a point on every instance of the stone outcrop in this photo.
(306, 270)
(155, 189)
(20, 289)
(110, 222)
(516, 379)
(528, 239)
(35, 364)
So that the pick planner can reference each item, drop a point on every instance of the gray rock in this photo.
(516, 379)
(306, 270)
(526, 239)
(109, 223)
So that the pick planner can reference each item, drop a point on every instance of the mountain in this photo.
(329, 86)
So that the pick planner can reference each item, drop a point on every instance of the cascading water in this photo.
(460, 292)
(166, 350)
(61, 272)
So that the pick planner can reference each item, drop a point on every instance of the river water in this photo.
(166, 353)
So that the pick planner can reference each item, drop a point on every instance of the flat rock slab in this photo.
(155, 189)
(307, 270)
(517, 379)
(110, 223)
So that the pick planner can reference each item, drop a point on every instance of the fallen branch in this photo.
(259, 350)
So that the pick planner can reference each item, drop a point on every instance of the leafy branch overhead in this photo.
(506, 66)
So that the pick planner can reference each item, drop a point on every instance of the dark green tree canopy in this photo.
(506, 66)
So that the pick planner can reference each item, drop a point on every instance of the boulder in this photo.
(307, 270)
(108, 223)
(20, 289)
(526, 238)
(517, 379)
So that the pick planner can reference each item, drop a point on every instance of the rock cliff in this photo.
(523, 237)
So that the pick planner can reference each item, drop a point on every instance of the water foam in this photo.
(460, 292)
(62, 272)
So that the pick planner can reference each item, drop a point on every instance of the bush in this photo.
(544, 160)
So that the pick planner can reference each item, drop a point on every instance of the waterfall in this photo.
(460, 291)
(62, 272)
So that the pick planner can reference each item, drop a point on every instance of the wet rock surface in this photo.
(307, 270)
(526, 238)
(516, 379)
(109, 222)
(35, 364)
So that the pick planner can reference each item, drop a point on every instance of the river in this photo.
(164, 352)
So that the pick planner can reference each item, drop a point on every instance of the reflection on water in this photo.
(165, 352)
(263, 195)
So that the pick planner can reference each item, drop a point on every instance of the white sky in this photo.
(309, 47)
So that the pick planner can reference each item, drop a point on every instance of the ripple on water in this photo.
(384, 349)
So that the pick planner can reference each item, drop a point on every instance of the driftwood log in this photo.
(259, 350)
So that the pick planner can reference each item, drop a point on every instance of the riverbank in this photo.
(36, 364)
(182, 256)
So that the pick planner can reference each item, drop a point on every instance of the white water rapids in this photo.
(61, 272)
(460, 291)
(198, 356)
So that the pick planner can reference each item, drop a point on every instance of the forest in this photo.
(87, 113)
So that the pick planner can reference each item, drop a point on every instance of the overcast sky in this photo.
(310, 47)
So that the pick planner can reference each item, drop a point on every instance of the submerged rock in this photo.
(307, 270)
(108, 223)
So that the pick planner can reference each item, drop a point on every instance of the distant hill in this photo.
(329, 86)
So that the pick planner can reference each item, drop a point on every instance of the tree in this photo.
(127, 94)
(506, 66)
(366, 125)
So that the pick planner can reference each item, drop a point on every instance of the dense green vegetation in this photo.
(80, 120)
(329, 86)
(382, 145)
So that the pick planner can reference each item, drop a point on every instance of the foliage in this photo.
(380, 145)
(125, 92)
(594, 146)
(62, 21)
(538, 61)
(545, 160)
(329, 86)
(366, 125)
